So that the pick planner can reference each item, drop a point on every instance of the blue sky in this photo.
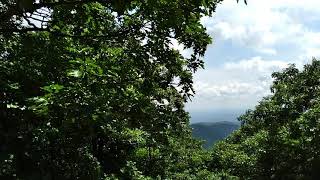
(249, 43)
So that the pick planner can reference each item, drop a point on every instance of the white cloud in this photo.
(234, 84)
(230, 89)
(271, 33)
(269, 51)
(256, 64)
(265, 25)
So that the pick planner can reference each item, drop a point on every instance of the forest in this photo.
(94, 90)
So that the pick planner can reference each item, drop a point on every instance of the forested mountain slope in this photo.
(213, 132)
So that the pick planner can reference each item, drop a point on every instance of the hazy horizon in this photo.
(215, 115)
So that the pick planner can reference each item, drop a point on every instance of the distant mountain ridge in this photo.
(216, 115)
(212, 132)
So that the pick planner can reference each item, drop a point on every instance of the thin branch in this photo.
(42, 14)
(36, 19)
(44, 9)
(25, 17)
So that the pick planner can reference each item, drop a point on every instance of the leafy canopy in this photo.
(279, 139)
(95, 89)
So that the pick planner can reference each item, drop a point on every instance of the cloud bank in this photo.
(251, 42)
(234, 85)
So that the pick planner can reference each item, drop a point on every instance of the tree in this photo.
(34, 15)
(96, 90)
(279, 139)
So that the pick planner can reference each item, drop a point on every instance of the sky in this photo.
(249, 43)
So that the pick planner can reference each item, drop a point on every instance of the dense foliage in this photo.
(280, 138)
(95, 89)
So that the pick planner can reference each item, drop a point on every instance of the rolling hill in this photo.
(212, 132)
